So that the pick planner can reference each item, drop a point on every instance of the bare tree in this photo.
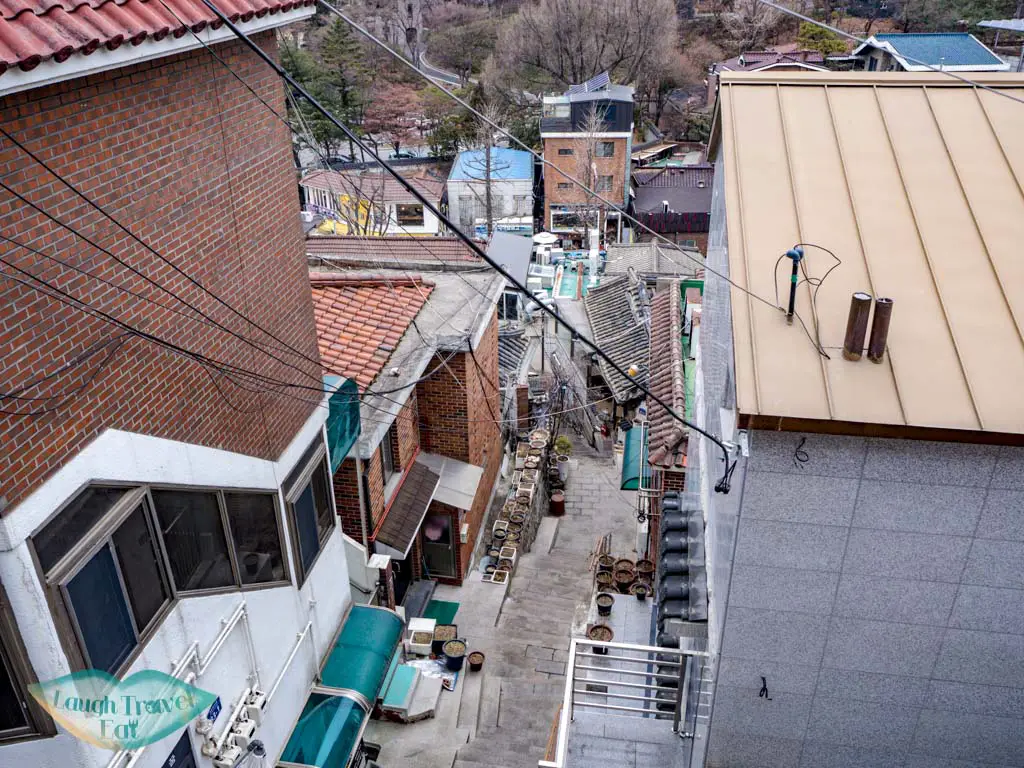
(359, 199)
(586, 152)
(559, 42)
(483, 168)
(751, 24)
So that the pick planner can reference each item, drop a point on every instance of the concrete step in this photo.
(469, 706)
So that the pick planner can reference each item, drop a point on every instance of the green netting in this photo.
(360, 658)
(634, 459)
(342, 418)
(326, 732)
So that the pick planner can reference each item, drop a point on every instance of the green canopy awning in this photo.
(634, 460)
(327, 733)
(360, 657)
(342, 418)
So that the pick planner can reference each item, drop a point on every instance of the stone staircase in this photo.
(512, 724)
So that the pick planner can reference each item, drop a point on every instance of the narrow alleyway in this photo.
(502, 717)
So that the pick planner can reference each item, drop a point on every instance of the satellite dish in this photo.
(545, 238)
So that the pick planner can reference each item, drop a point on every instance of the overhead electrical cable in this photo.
(721, 486)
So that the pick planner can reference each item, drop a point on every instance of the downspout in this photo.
(362, 506)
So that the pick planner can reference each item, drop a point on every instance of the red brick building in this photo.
(165, 478)
(424, 350)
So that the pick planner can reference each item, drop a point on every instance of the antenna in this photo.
(795, 254)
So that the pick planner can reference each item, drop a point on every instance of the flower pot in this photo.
(540, 435)
(640, 591)
(442, 634)
(454, 654)
(645, 568)
(605, 563)
(604, 604)
(538, 445)
(602, 633)
(604, 578)
(624, 564)
(476, 661)
(623, 580)
(557, 506)
(563, 468)
(516, 518)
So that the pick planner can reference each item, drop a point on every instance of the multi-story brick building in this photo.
(165, 502)
(587, 134)
(424, 350)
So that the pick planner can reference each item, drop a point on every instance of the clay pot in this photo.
(605, 563)
(557, 506)
(604, 578)
(623, 580)
(516, 518)
(604, 604)
(625, 564)
(602, 633)
(476, 661)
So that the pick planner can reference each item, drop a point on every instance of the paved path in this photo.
(502, 717)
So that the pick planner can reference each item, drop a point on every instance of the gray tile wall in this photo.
(879, 590)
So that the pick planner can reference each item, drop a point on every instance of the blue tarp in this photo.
(634, 457)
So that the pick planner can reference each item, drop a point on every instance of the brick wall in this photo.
(346, 497)
(443, 408)
(181, 153)
(405, 442)
(615, 166)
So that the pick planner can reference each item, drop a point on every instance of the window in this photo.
(410, 215)
(20, 716)
(565, 185)
(604, 183)
(872, 64)
(310, 506)
(387, 452)
(116, 558)
(606, 149)
(688, 243)
(565, 151)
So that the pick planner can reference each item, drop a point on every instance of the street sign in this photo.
(214, 711)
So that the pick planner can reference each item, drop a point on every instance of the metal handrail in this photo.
(569, 702)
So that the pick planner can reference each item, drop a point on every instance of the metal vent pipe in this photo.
(879, 330)
(857, 325)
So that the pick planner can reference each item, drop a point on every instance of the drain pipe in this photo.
(291, 657)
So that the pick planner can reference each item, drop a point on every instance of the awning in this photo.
(634, 458)
(336, 712)
(359, 659)
(327, 734)
(459, 480)
(406, 513)
(342, 418)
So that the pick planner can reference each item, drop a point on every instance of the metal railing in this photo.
(660, 683)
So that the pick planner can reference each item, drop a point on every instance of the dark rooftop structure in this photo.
(618, 313)
(666, 441)
(407, 510)
(674, 190)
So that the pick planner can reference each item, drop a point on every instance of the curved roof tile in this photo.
(32, 31)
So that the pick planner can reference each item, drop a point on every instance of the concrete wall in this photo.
(276, 614)
(504, 194)
(878, 587)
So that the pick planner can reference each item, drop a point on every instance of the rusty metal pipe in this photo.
(857, 325)
(879, 330)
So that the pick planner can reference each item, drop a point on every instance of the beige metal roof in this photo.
(915, 182)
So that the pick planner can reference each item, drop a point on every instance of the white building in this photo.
(511, 189)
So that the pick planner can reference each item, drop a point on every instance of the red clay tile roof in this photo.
(368, 184)
(359, 322)
(376, 250)
(666, 438)
(32, 31)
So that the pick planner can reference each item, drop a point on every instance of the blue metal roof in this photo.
(950, 49)
(506, 165)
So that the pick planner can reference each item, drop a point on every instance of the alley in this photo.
(502, 717)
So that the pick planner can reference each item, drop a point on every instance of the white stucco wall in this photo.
(276, 615)
(504, 196)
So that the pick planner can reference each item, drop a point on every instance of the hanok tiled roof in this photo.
(652, 259)
(359, 322)
(32, 31)
(666, 437)
(752, 61)
(373, 185)
(512, 346)
(385, 250)
(618, 315)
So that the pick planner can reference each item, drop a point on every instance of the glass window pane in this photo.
(12, 715)
(305, 522)
(193, 534)
(322, 496)
(71, 525)
(253, 521)
(140, 567)
(101, 612)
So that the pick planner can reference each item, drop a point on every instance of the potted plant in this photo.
(476, 661)
(604, 604)
(640, 590)
(454, 654)
(563, 445)
(601, 633)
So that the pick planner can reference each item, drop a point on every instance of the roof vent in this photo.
(701, 183)
(879, 330)
(664, 206)
(857, 325)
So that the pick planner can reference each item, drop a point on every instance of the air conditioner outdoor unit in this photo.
(227, 757)
(255, 705)
(464, 533)
(243, 732)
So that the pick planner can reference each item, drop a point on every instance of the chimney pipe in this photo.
(879, 330)
(857, 325)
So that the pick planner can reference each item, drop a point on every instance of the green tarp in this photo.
(634, 459)
(342, 418)
(326, 733)
(359, 659)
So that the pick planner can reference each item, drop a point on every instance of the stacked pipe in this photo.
(857, 326)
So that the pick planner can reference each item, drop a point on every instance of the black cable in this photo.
(15, 394)
(722, 486)
(800, 456)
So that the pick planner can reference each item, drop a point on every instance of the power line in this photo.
(721, 486)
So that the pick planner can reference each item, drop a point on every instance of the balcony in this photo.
(628, 704)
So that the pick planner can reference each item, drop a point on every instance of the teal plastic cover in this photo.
(634, 460)
(342, 418)
(361, 656)
(326, 732)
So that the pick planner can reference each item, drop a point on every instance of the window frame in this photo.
(291, 494)
(605, 186)
(101, 534)
(421, 222)
(564, 185)
(393, 465)
(14, 658)
(602, 147)
(566, 151)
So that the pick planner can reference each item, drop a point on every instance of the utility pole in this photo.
(488, 193)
